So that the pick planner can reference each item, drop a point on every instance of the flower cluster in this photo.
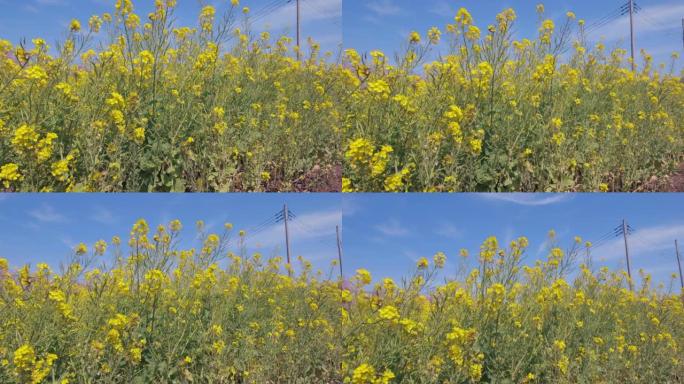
(210, 315)
(132, 103)
(498, 114)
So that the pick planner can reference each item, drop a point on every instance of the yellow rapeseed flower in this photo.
(422, 263)
(9, 173)
(414, 37)
(75, 25)
(363, 276)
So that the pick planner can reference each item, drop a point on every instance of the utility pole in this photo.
(629, 268)
(287, 237)
(299, 47)
(339, 250)
(682, 32)
(631, 31)
(679, 264)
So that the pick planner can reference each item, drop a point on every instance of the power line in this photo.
(299, 31)
(637, 11)
(626, 230)
(287, 237)
(605, 20)
(265, 11)
(286, 216)
(268, 10)
(606, 237)
(679, 264)
(259, 228)
(338, 241)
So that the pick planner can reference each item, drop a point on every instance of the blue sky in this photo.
(386, 24)
(49, 19)
(387, 234)
(46, 227)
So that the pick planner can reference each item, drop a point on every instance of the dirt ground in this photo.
(672, 183)
(317, 179)
(676, 181)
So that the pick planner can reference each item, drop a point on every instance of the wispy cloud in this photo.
(31, 8)
(642, 244)
(392, 228)
(312, 11)
(412, 255)
(383, 7)
(309, 226)
(651, 19)
(47, 214)
(529, 199)
(51, 2)
(37, 5)
(442, 8)
(68, 242)
(103, 216)
(349, 205)
(449, 230)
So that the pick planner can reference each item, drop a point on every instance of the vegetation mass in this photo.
(156, 312)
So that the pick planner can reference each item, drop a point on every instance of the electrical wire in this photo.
(268, 10)
(607, 19)
(605, 238)
(259, 228)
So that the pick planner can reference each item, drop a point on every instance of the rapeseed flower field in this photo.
(132, 102)
(150, 311)
(130, 105)
(496, 113)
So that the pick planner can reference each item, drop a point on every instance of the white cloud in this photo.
(51, 2)
(642, 244)
(383, 7)
(412, 255)
(311, 11)
(309, 226)
(350, 205)
(328, 39)
(47, 214)
(103, 215)
(68, 242)
(529, 199)
(449, 230)
(442, 8)
(31, 8)
(650, 20)
(392, 228)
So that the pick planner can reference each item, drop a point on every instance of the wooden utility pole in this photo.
(629, 268)
(631, 31)
(339, 250)
(679, 264)
(299, 47)
(287, 237)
